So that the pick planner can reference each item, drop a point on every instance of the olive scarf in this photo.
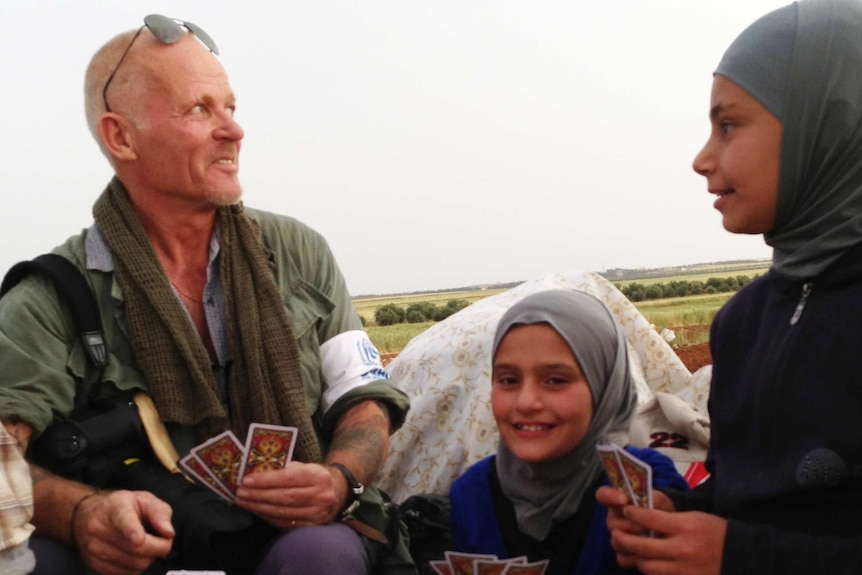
(266, 381)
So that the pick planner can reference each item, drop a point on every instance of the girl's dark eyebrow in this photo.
(716, 110)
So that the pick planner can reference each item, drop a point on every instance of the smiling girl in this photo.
(560, 384)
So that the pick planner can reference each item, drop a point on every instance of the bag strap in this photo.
(73, 289)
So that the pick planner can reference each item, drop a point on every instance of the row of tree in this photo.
(391, 314)
(640, 292)
(418, 312)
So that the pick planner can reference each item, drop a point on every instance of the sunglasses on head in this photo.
(166, 30)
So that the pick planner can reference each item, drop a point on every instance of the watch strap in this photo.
(354, 488)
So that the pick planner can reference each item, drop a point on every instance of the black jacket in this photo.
(786, 417)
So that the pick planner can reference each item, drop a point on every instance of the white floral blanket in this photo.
(446, 372)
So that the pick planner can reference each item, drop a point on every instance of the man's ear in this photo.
(117, 136)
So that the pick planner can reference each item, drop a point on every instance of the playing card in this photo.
(462, 563)
(490, 566)
(267, 448)
(608, 453)
(537, 568)
(639, 477)
(441, 567)
(193, 466)
(222, 455)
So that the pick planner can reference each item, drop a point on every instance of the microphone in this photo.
(821, 467)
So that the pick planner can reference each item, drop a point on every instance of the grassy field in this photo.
(366, 306)
(394, 338)
(671, 313)
(682, 311)
(702, 277)
(674, 313)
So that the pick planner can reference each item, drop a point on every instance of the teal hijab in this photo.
(548, 492)
(803, 63)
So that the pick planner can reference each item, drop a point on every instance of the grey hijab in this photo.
(546, 493)
(803, 63)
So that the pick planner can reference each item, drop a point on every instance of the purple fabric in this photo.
(52, 557)
(317, 550)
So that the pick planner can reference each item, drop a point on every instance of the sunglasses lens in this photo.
(163, 28)
(202, 36)
(169, 31)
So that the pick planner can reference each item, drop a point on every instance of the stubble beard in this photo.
(225, 197)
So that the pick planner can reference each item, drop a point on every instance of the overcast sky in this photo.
(435, 144)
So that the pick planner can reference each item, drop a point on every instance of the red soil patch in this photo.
(694, 356)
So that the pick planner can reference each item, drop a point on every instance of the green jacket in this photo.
(45, 364)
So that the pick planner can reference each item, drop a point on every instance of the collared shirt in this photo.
(99, 258)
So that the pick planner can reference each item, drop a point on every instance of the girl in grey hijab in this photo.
(561, 383)
(784, 159)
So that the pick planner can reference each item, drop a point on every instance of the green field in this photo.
(672, 313)
(366, 306)
(394, 338)
(699, 276)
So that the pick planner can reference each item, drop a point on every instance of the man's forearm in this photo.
(361, 440)
(54, 498)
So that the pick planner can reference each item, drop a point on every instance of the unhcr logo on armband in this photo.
(367, 351)
(370, 357)
(375, 374)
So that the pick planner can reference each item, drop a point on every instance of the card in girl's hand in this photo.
(608, 454)
(462, 563)
(267, 448)
(441, 567)
(493, 566)
(222, 455)
(639, 477)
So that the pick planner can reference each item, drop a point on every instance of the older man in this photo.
(224, 316)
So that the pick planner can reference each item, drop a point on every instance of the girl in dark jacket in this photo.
(784, 159)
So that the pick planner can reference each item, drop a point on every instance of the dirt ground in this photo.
(693, 356)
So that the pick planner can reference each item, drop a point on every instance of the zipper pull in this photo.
(806, 291)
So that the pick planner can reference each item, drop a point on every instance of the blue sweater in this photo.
(475, 528)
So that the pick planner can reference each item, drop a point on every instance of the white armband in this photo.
(348, 361)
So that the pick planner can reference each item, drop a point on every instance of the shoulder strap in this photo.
(72, 288)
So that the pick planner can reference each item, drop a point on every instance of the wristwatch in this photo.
(354, 489)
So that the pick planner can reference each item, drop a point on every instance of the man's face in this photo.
(740, 160)
(186, 139)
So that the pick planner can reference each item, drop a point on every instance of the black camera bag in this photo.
(104, 444)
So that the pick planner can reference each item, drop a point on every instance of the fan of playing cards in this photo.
(627, 473)
(473, 564)
(221, 462)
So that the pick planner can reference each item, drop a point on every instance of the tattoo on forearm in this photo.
(365, 440)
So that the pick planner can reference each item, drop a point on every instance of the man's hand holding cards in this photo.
(221, 462)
